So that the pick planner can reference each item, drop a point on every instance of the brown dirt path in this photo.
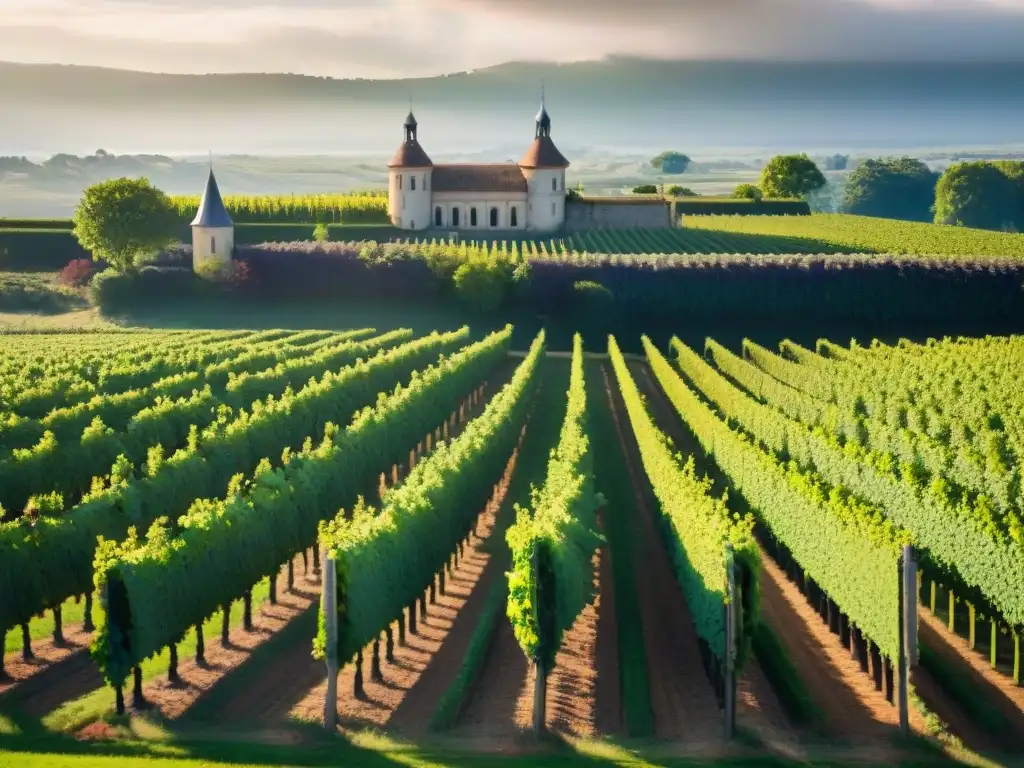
(583, 697)
(279, 688)
(682, 699)
(423, 666)
(954, 652)
(173, 700)
(47, 655)
(758, 708)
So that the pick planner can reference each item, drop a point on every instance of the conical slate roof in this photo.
(212, 212)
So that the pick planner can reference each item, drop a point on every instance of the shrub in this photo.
(747, 192)
(111, 288)
(480, 284)
(645, 189)
(76, 274)
(321, 234)
(677, 191)
(591, 295)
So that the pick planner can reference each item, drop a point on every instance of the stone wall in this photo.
(616, 213)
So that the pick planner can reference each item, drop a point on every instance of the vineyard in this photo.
(830, 233)
(439, 534)
(350, 208)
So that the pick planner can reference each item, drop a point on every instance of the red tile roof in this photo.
(543, 154)
(410, 155)
(503, 177)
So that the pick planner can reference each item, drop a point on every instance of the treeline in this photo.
(987, 194)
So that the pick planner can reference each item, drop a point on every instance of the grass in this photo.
(41, 627)
(868, 235)
(37, 292)
(784, 679)
(76, 713)
(614, 482)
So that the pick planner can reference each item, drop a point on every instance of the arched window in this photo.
(472, 217)
(514, 217)
(412, 183)
(213, 245)
(438, 217)
(399, 181)
(455, 217)
(494, 217)
(554, 184)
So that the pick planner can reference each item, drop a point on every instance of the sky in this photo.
(416, 38)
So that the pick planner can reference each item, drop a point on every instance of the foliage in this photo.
(836, 162)
(370, 207)
(747, 192)
(123, 220)
(645, 189)
(321, 233)
(671, 162)
(844, 544)
(977, 194)
(224, 546)
(790, 176)
(62, 549)
(386, 559)
(953, 485)
(831, 233)
(677, 191)
(553, 542)
(480, 283)
(903, 188)
(703, 530)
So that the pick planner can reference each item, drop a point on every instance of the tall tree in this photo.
(975, 194)
(902, 188)
(120, 221)
(790, 176)
(747, 192)
(671, 161)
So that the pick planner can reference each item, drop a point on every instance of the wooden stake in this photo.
(247, 611)
(58, 627)
(26, 643)
(225, 626)
(329, 608)
(971, 618)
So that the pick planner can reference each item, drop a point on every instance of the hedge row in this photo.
(738, 207)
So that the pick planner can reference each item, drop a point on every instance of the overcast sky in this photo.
(403, 38)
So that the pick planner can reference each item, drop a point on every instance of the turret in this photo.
(213, 231)
(544, 168)
(409, 181)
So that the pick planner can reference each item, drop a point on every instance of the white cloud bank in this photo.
(403, 38)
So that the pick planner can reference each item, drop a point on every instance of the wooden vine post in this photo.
(908, 635)
(731, 637)
(540, 683)
(329, 605)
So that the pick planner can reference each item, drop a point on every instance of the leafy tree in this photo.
(671, 162)
(747, 192)
(676, 191)
(321, 234)
(121, 221)
(975, 194)
(790, 176)
(645, 189)
(1014, 171)
(903, 188)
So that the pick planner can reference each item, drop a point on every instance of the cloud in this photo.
(397, 38)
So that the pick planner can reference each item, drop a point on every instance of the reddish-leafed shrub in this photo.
(77, 273)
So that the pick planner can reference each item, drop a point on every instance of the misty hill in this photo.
(629, 104)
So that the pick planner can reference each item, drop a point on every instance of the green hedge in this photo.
(738, 207)
(36, 223)
(44, 250)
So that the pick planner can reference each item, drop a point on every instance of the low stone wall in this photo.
(617, 213)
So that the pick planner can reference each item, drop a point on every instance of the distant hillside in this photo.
(626, 81)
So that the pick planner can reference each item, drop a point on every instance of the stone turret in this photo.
(213, 231)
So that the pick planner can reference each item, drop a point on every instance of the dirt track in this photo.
(684, 704)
